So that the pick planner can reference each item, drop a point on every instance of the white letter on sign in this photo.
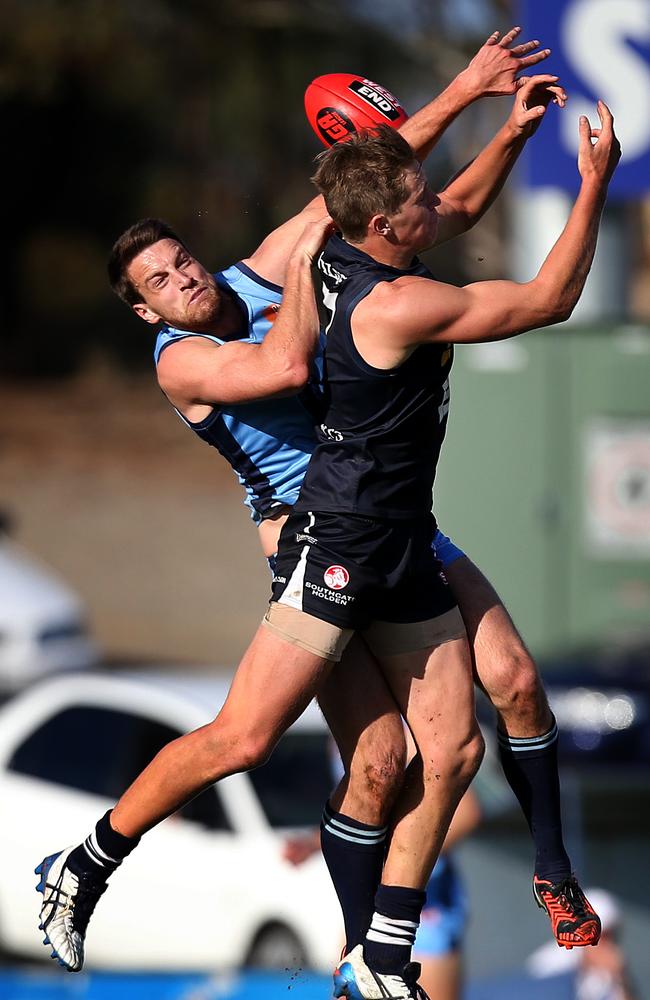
(594, 37)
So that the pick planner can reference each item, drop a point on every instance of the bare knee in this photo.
(458, 759)
(515, 689)
(468, 758)
(229, 750)
(376, 774)
(382, 772)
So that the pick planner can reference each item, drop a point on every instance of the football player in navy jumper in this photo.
(168, 266)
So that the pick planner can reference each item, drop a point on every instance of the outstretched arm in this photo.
(491, 73)
(471, 192)
(413, 310)
(195, 372)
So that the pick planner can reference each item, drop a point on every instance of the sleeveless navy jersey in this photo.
(268, 443)
(382, 430)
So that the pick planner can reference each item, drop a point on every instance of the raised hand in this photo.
(532, 99)
(598, 160)
(493, 70)
(314, 236)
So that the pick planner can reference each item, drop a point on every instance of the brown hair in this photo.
(364, 176)
(126, 248)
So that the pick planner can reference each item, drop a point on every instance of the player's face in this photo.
(174, 287)
(415, 225)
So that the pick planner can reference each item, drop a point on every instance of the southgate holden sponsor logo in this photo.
(336, 577)
(325, 594)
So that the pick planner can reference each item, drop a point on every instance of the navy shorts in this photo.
(352, 570)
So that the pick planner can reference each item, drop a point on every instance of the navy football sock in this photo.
(389, 941)
(354, 854)
(530, 766)
(102, 851)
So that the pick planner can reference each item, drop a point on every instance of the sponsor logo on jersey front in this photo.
(336, 577)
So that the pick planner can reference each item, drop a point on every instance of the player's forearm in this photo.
(290, 345)
(423, 129)
(562, 276)
(475, 188)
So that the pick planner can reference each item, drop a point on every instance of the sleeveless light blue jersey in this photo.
(267, 443)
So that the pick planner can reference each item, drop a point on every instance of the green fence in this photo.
(545, 479)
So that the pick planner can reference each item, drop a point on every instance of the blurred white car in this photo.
(42, 621)
(209, 887)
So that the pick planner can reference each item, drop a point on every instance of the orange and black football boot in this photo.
(574, 921)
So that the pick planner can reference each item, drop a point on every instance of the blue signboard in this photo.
(601, 49)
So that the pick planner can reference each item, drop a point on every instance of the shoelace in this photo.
(409, 978)
(415, 989)
(57, 900)
(570, 893)
(392, 988)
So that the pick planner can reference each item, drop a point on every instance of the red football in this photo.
(339, 104)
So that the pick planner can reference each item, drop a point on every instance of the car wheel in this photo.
(276, 947)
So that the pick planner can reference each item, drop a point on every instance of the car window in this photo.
(101, 751)
(295, 783)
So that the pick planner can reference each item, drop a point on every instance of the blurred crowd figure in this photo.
(600, 972)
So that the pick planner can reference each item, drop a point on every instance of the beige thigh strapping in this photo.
(306, 631)
(392, 638)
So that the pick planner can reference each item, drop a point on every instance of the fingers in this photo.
(546, 84)
(585, 131)
(605, 115)
(521, 50)
(535, 58)
(528, 83)
(537, 112)
(493, 39)
(509, 37)
(539, 79)
(560, 99)
(556, 94)
(315, 235)
(559, 95)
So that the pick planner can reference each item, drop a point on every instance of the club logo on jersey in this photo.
(378, 98)
(336, 577)
(333, 125)
(270, 312)
(330, 271)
